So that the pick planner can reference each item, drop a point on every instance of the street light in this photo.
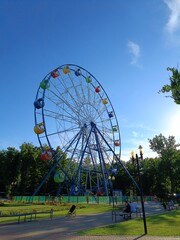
(139, 180)
(141, 151)
(111, 179)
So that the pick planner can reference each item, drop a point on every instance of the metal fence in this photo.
(81, 199)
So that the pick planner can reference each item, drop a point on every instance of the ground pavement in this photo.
(66, 227)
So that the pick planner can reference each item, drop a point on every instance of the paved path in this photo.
(65, 228)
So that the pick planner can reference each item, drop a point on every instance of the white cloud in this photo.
(173, 24)
(134, 50)
(135, 134)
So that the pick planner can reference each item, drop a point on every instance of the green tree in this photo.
(10, 167)
(150, 176)
(163, 145)
(122, 180)
(169, 164)
(174, 86)
(30, 168)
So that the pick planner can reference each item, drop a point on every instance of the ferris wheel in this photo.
(74, 113)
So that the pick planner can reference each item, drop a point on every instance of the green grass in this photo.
(159, 225)
(9, 208)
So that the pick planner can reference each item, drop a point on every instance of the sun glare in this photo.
(174, 124)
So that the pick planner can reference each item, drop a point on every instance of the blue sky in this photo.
(127, 45)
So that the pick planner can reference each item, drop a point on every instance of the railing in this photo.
(81, 199)
(28, 216)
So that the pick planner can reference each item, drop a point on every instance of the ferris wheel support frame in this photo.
(56, 163)
(76, 176)
(101, 158)
(120, 163)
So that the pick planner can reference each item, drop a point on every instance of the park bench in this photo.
(125, 215)
(170, 207)
(28, 216)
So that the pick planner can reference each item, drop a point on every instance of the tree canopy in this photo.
(174, 86)
(25, 170)
(161, 144)
(169, 164)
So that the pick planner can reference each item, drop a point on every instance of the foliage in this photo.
(174, 86)
(25, 170)
(150, 176)
(163, 145)
(168, 166)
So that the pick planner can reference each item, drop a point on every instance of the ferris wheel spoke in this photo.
(74, 88)
(101, 121)
(81, 88)
(68, 114)
(102, 111)
(64, 101)
(59, 116)
(63, 131)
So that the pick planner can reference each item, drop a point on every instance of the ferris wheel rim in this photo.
(47, 78)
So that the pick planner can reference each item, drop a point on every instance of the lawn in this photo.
(159, 225)
(10, 208)
(167, 224)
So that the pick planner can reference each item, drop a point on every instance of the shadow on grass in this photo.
(161, 225)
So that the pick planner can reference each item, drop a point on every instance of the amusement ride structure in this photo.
(73, 112)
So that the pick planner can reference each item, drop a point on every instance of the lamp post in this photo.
(139, 181)
(111, 179)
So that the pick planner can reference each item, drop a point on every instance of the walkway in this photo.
(65, 228)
